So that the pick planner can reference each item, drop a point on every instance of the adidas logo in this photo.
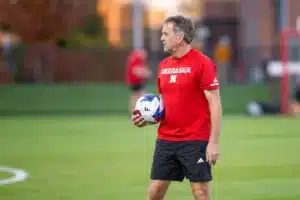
(216, 82)
(200, 160)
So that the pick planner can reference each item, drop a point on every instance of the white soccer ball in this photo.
(150, 107)
(254, 109)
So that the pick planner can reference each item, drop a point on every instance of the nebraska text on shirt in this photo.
(180, 70)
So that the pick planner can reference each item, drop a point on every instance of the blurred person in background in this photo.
(222, 56)
(8, 40)
(260, 108)
(295, 106)
(137, 75)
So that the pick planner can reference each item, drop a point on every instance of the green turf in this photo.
(5, 175)
(101, 98)
(75, 158)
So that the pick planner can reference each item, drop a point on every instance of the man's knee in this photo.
(157, 189)
(201, 191)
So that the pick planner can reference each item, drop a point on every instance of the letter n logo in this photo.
(173, 78)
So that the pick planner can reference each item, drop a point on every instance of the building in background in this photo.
(253, 28)
(118, 17)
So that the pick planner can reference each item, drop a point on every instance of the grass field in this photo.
(99, 98)
(105, 158)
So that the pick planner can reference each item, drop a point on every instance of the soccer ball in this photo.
(254, 109)
(150, 107)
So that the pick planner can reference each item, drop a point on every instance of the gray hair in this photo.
(183, 25)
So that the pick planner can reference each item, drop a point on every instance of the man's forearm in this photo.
(216, 117)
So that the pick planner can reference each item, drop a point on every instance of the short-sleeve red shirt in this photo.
(134, 61)
(181, 83)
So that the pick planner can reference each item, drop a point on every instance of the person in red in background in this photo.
(137, 74)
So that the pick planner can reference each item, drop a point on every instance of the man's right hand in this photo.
(137, 119)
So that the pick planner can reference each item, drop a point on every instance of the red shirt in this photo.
(182, 82)
(135, 60)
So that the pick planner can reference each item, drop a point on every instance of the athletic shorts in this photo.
(137, 87)
(174, 161)
(297, 94)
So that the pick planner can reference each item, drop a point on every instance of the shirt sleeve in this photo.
(137, 63)
(208, 77)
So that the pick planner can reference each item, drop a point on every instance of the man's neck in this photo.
(182, 51)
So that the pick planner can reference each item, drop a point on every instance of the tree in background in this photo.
(44, 25)
(42, 20)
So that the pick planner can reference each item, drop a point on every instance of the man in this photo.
(137, 73)
(188, 136)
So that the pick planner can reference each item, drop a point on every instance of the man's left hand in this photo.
(212, 153)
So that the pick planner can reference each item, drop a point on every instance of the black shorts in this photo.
(174, 161)
(297, 94)
(137, 87)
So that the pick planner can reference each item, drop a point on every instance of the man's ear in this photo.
(180, 37)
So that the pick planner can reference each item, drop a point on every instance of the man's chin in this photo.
(166, 50)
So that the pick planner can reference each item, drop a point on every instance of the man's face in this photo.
(170, 38)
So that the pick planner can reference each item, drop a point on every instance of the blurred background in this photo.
(64, 43)
(64, 100)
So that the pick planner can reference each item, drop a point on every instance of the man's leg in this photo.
(157, 189)
(134, 97)
(192, 155)
(165, 168)
(137, 91)
(201, 190)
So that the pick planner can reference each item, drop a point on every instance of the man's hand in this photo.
(212, 153)
(137, 119)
